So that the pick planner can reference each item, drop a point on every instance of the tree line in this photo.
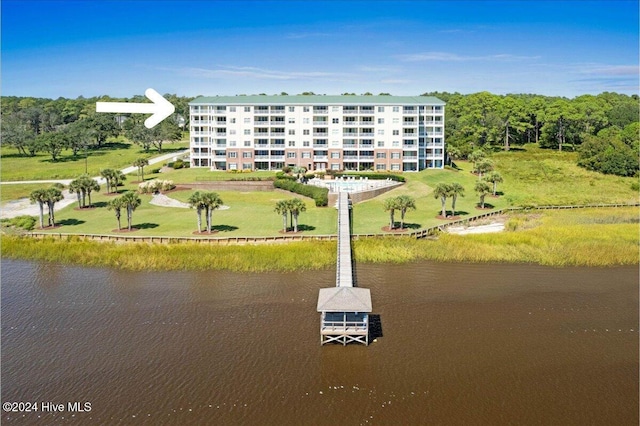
(32, 125)
(603, 129)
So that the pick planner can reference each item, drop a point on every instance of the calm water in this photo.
(461, 344)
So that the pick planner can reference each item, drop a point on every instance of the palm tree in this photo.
(117, 178)
(53, 195)
(454, 154)
(116, 205)
(495, 178)
(404, 203)
(39, 196)
(89, 185)
(282, 208)
(455, 190)
(482, 189)
(296, 206)
(130, 201)
(195, 200)
(391, 205)
(211, 201)
(442, 191)
(484, 165)
(76, 187)
(107, 174)
(140, 163)
(476, 156)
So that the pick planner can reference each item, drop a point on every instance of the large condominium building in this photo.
(396, 133)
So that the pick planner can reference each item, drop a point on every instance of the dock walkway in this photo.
(344, 308)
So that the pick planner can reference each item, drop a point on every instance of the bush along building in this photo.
(379, 133)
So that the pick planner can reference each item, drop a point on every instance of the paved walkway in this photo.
(23, 206)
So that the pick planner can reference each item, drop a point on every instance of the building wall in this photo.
(318, 136)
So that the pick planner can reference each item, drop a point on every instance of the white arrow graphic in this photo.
(160, 108)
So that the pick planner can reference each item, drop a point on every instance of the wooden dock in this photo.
(344, 309)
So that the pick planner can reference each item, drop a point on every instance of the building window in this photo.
(305, 143)
(305, 120)
(305, 109)
(247, 131)
(306, 155)
(380, 120)
(233, 154)
(381, 155)
(395, 155)
(292, 109)
(232, 131)
(335, 108)
(380, 109)
(335, 120)
(381, 131)
(232, 143)
(395, 143)
(233, 166)
(247, 143)
(247, 120)
(232, 109)
(335, 155)
(246, 154)
(380, 167)
(291, 120)
(292, 131)
(247, 109)
(305, 132)
(292, 143)
(396, 109)
(396, 132)
(396, 121)
(395, 167)
(335, 166)
(380, 144)
(233, 121)
(291, 155)
(247, 166)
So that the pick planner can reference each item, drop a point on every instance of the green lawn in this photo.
(532, 176)
(115, 154)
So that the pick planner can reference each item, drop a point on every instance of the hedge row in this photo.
(319, 195)
(374, 176)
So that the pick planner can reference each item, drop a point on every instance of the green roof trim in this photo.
(317, 100)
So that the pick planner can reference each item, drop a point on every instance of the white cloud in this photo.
(257, 73)
(454, 57)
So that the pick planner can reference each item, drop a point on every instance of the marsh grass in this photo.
(178, 256)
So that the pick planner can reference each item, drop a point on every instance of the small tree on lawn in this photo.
(391, 205)
(140, 163)
(484, 165)
(107, 174)
(442, 191)
(296, 206)
(117, 205)
(211, 201)
(76, 187)
(404, 203)
(117, 178)
(494, 178)
(455, 190)
(476, 156)
(53, 195)
(89, 185)
(196, 201)
(282, 208)
(482, 189)
(130, 201)
(39, 196)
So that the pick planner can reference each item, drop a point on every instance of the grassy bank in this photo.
(590, 237)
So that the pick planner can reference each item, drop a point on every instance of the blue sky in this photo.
(120, 48)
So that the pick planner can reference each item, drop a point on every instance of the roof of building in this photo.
(344, 299)
(317, 100)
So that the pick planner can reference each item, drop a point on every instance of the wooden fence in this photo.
(422, 233)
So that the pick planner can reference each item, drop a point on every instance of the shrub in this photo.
(286, 169)
(25, 222)
(178, 164)
(635, 186)
(282, 175)
(155, 185)
(155, 171)
(319, 195)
